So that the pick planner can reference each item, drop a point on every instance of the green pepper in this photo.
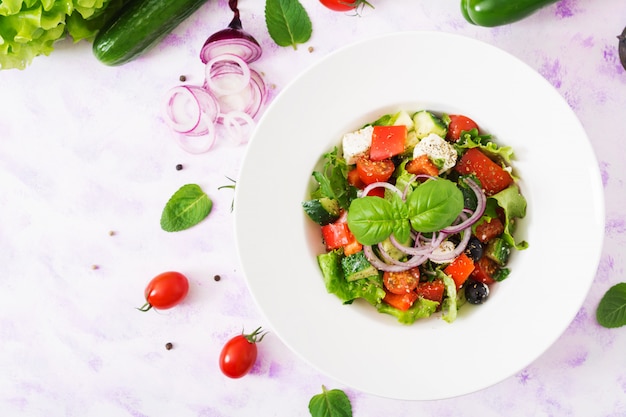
(500, 12)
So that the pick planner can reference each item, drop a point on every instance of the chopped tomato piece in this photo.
(401, 301)
(337, 235)
(487, 230)
(460, 269)
(484, 270)
(354, 179)
(422, 165)
(387, 141)
(374, 171)
(352, 247)
(458, 124)
(432, 290)
(492, 176)
(401, 282)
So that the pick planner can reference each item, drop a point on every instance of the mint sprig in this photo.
(330, 403)
(186, 207)
(611, 311)
(287, 22)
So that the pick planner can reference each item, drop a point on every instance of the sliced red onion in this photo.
(380, 184)
(232, 40)
(383, 266)
(450, 256)
(190, 110)
(197, 144)
(238, 125)
(249, 100)
(480, 209)
(226, 74)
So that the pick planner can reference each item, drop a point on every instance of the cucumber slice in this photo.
(427, 123)
(322, 210)
(356, 266)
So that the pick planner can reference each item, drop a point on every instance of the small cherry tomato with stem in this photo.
(344, 5)
(165, 291)
(239, 354)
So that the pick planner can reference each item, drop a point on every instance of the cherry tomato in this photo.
(165, 291)
(401, 282)
(458, 124)
(343, 5)
(374, 171)
(239, 354)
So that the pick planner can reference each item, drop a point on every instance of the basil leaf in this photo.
(372, 219)
(287, 22)
(611, 311)
(187, 207)
(330, 403)
(434, 205)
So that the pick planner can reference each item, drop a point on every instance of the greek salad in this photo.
(417, 213)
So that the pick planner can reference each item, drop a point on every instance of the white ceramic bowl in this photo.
(525, 314)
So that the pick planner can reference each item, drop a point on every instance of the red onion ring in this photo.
(197, 144)
(249, 100)
(232, 40)
(190, 110)
(226, 74)
(380, 184)
(480, 209)
(239, 126)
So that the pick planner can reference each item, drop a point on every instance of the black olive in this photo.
(476, 292)
(621, 48)
(474, 249)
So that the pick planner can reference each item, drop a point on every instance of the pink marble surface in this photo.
(85, 152)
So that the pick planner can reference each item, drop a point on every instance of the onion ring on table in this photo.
(199, 143)
(249, 100)
(190, 110)
(238, 125)
(226, 74)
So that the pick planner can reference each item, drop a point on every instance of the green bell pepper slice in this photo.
(492, 13)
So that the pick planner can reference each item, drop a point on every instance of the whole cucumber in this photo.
(491, 13)
(139, 26)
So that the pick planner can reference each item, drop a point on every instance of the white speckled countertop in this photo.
(86, 166)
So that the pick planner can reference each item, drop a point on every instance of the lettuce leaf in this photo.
(29, 28)
(370, 289)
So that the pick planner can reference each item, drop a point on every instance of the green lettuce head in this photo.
(29, 28)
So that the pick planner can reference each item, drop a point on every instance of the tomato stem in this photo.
(256, 336)
(147, 306)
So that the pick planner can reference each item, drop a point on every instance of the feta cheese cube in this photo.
(356, 144)
(437, 149)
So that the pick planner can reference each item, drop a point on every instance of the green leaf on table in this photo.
(330, 403)
(187, 207)
(287, 22)
(611, 311)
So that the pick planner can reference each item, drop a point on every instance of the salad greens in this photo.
(29, 28)
(420, 220)
(430, 207)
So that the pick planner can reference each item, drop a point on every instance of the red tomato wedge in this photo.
(401, 301)
(484, 270)
(460, 269)
(431, 290)
(374, 171)
(491, 175)
(338, 235)
(422, 165)
(401, 282)
(387, 141)
(458, 124)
